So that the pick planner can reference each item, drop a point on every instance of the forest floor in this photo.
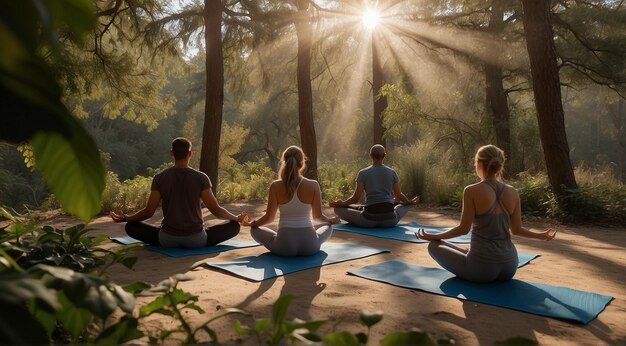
(589, 258)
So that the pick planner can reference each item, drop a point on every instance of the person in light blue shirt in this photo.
(385, 204)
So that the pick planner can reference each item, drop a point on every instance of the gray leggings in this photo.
(461, 263)
(292, 242)
(355, 217)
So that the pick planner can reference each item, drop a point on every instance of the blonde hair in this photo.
(492, 160)
(292, 164)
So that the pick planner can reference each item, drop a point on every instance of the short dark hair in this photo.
(181, 147)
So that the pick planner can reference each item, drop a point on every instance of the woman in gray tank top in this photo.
(491, 209)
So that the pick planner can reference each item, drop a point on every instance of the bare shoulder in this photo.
(473, 188)
(276, 185)
(310, 182)
(510, 190)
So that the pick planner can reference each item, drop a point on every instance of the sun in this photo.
(371, 18)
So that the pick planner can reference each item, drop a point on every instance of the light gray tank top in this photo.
(491, 240)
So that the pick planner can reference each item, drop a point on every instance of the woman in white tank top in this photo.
(299, 201)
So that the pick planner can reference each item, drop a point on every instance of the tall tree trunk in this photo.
(496, 97)
(209, 156)
(305, 94)
(380, 102)
(547, 91)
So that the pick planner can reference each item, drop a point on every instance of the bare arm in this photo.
(216, 209)
(355, 198)
(401, 197)
(143, 214)
(316, 207)
(467, 218)
(518, 229)
(270, 212)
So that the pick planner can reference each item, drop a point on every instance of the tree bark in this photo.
(308, 138)
(496, 97)
(547, 92)
(209, 155)
(380, 102)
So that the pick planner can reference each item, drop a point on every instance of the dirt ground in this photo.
(587, 258)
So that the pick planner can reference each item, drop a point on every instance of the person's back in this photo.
(492, 211)
(180, 190)
(299, 201)
(378, 182)
(381, 186)
(491, 239)
(296, 211)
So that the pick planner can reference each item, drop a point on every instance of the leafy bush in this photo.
(278, 329)
(43, 302)
(535, 195)
(174, 302)
(428, 172)
(249, 181)
(127, 196)
(337, 180)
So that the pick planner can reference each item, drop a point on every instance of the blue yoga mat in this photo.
(405, 232)
(229, 244)
(535, 298)
(268, 265)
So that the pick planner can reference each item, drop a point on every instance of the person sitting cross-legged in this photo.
(299, 201)
(381, 186)
(492, 211)
(180, 189)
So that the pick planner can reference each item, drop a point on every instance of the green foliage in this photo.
(249, 181)
(127, 196)
(427, 171)
(63, 151)
(174, 302)
(534, 192)
(337, 180)
(44, 299)
(599, 199)
(30, 244)
(279, 330)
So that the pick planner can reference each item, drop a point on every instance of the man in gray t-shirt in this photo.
(180, 189)
(382, 188)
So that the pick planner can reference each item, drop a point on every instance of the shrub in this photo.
(429, 172)
(127, 196)
(337, 180)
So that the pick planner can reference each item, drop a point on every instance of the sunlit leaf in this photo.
(72, 169)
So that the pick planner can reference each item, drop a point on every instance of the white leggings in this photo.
(459, 262)
(292, 242)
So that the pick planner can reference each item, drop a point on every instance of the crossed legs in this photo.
(214, 235)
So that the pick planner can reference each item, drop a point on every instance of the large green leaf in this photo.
(72, 169)
(31, 107)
